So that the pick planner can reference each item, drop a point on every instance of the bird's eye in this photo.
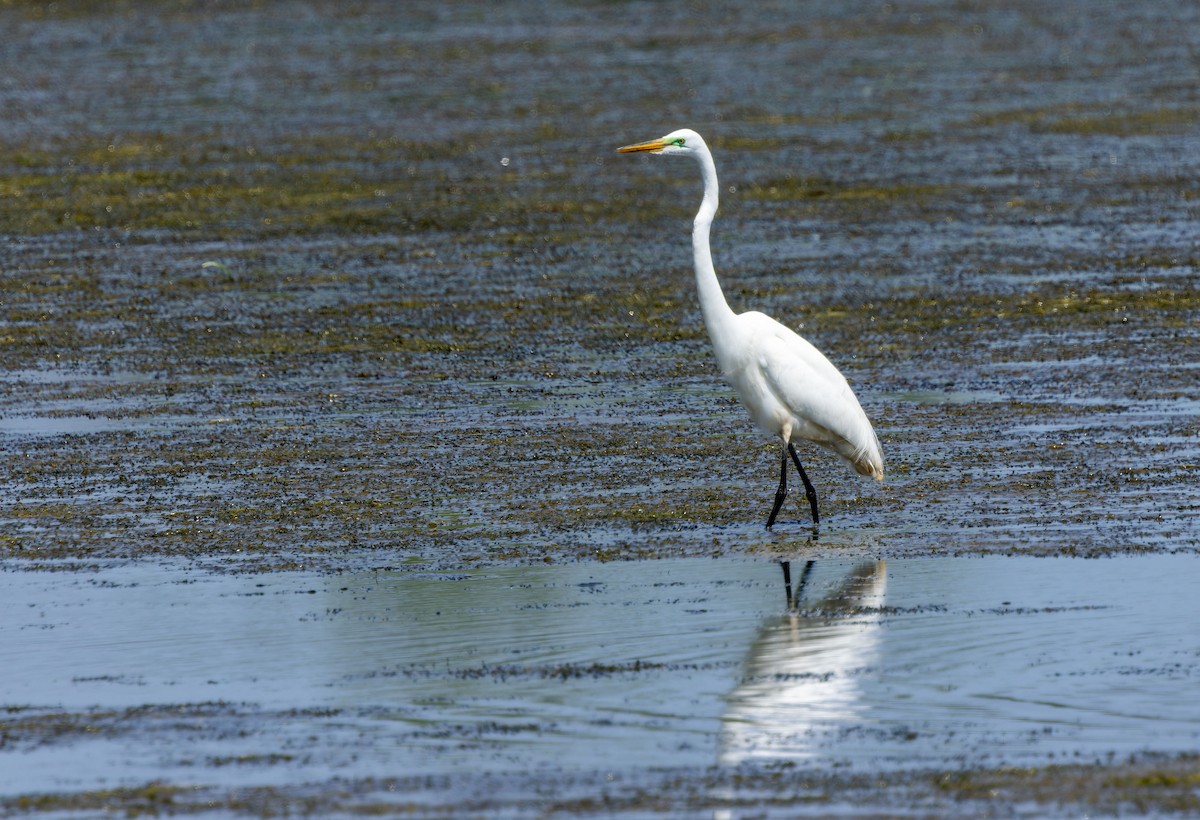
(680, 141)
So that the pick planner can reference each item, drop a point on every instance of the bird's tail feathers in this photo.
(866, 458)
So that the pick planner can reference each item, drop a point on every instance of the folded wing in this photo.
(818, 396)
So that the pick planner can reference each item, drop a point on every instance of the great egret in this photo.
(790, 389)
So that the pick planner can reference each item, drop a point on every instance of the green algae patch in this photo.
(790, 188)
(1147, 785)
(1091, 119)
(204, 186)
(215, 193)
(1127, 123)
(150, 800)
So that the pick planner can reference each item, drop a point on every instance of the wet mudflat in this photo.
(302, 288)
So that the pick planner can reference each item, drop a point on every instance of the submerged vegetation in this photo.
(203, 187)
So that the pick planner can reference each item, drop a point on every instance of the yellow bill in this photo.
(653, 146)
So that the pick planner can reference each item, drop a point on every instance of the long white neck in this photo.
(717, 313)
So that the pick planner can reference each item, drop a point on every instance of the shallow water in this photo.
(622, 667)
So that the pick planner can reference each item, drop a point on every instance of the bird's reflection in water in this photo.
(801, 679)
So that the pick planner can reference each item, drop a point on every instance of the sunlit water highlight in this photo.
(621, 667)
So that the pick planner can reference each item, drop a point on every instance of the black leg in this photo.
(808, 487)
(781, 493)
(787, 581)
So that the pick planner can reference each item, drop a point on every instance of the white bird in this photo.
(790, 389)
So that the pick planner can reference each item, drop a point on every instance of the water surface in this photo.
(624, 667)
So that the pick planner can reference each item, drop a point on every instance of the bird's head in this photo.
(683, 141)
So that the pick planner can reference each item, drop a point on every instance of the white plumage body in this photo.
(793, 392)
